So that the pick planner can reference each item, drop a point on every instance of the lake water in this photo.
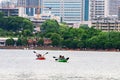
(82, 65)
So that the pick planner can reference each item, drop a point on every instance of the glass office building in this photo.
(70, 11)
(86, 10)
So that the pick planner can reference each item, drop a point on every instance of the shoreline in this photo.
(56, 48)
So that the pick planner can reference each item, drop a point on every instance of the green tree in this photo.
(24, 41)
(108, 45)
(17, 24)
(66, 43)
(10, 42)
(1, 15)
(40, 42)
(1, 19)
(93, 42)
(74, 44)
(27, 32)
(56, 39)
(84, 27)
(19, 42)
(117, 45)
(80, 44)
(50, 26)
(55, 42)
(27, 24)
(67, 35)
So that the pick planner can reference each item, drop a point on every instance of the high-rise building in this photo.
(8, 4)
(31, 6)
(21, 3)
(103, 8)
(113, 7)
(86, 10)
(28, 3)
(70, 11)
(97, 8)
(104, 14)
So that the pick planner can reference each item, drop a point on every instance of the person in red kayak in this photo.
(39, 55)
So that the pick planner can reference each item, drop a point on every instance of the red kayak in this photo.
(41, 58)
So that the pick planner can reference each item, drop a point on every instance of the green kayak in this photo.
(62, 60)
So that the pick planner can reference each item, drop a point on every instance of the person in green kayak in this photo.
(61, 57)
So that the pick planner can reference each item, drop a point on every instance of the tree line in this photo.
(83, 37)
(61, 35)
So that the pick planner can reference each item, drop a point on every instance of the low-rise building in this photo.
(106, 24)
(3, 41)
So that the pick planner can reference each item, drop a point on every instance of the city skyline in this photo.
(70, 10)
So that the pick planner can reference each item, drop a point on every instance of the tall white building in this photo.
(113, 7)
(103, 8)
(8, 3)
(97, 9)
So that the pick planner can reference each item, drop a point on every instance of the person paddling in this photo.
(61, 57)
(39, 55)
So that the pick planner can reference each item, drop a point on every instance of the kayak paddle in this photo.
(45, 53)
(34, 51)
(67, 58)
(54, 57)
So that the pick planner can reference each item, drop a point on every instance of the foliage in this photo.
(56, 39)
(50, 26)
(61, 34)
(40, 42)
(27, 32)
(19, 42)
(16, 24)
(10, 42)
(24, 41)
(84, 27)
(1, 15)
